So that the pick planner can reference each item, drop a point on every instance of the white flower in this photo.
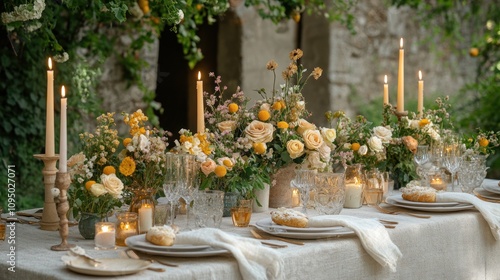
(143, 142)
(113, 185)
(61, 58)
(415, 124)
(329, 134)
(433, 134)
(265, 106)
(347, 146)
(375, 144)
(314, 160)
(363, 150)
(383, 133)
(324, 152)
(98, 189)
(180, 13)
(25, 12)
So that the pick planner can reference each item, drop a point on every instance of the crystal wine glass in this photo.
(452, 157)
(188, 182)
(422, 157)
(304, 181)
(171, 187)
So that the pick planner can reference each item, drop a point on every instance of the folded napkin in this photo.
(373, 236)
(254, 260)
(490, 211)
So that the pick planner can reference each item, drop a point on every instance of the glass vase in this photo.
(143, 203)
(86, 224)
(354, 181)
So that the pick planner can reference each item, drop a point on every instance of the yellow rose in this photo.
(113, 185)
(226, 126)
(208, 166)
(295, 148)
(313, 139)
(304, 125)
(97, 190)
(329, 134)
(258, 131)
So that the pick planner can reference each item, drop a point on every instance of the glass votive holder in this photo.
(161, 214)
(242, 214)
(104, 236)
(126, 226)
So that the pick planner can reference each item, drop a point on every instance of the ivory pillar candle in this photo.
(63, 146)
(420, 97)
(386, 91)
(401, 79)
(104, 235)
(353, 195)
(200, 115)
(49, 120)
(145, 218)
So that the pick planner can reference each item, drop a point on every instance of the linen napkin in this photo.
(254, 260)
(490, 211)
(372, 234)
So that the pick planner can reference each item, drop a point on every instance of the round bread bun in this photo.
(289, 217)
(419, 193)
(161, 235)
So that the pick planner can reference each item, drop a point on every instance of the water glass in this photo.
(207, 208)
(242, 213)
(329, 193)
(161, 214)
(374, 187)
(304, 182)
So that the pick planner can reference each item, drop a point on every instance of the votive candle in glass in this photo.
(104, 236)
(126, 226)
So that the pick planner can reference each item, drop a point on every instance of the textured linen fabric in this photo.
(372, 234)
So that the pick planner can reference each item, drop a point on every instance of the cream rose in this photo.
(410, 143)
(304, 125)
(363, 150)
(98, 190)
(375, 144)
(295, 148)
(324, 152)
(313, 139)
(76, 159)
(329, 134)
(314, 160)
(265, 106)
(113, 185)
(258, 131)
(383, 133)
(226, 126)
(414, 124)
(208, 166)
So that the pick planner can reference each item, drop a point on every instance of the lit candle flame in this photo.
(105, 228)
(199, 75)
(420, 75)
(50, 64)
(401, 43)
(63, 92)
(385, 79)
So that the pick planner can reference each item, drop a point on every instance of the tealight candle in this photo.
(145, 218)
(353, 195)
(104, 236)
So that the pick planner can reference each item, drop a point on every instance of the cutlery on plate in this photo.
(157, 269)
(273, 245)
(261, 236)
(133, 255)
(388, 222)
(392, 212)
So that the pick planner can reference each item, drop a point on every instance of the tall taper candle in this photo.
(420, 97)
(63, 143)
(401, 78)
(49, 121)
(200, 115)
(386, 91)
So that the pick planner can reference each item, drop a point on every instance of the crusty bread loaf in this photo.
(289, 217)
(419, 193)
(161, 235)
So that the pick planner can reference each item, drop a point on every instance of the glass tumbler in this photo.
(329, 193)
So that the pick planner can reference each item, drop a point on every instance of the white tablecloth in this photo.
(456, 245)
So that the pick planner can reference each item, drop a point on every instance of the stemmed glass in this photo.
(171, 187)
(452, 157)
(421, 157)
(304, 181)
(188, 182)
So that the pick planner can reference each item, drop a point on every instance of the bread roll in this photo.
(419, 193)
(161, 235)
(289, 217)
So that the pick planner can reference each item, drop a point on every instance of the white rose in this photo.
(414, 124)
(208, 166)
(98, 190)
(258, 131)
(375, 144)
(329, 134)
(304, 125)
(324, 152)
(313, 139)
(143, 142)
(433, 134)
(314, 160)
(383, 133)
(113, 185)
(347, 146)
(295, 148)
(226, 126)
(363, 150)
(265, 106)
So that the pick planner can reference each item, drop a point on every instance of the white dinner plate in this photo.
(140, 241)
(210, 251)
(491, 186)
(337, 232)
(458, 207)
(399, 199)
(480, 192)
(268, 223)
(108, 267)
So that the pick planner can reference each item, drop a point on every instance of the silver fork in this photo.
(133, 255)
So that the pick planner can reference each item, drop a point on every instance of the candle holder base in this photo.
(400, 114)
(50, 220)
(63, 180)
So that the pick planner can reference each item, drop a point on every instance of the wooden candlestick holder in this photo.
(50, 219)
(400, 114)
(63, 180)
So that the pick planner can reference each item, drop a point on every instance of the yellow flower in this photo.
(89, 184)
(233, 108)
(424, 122)
(282, 125)
(264, 115)
(271, 65)
(317, 72)
(227, 163)
(259, 148)
(220, 171)
(483, 142)
(277, 106)
(296, 54)
(127, 167)
(127, 141)
(109, 170)
(355, 146)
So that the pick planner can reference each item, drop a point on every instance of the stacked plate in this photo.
(139, 243)
(489, 191)
(268, 226)
(397, 200)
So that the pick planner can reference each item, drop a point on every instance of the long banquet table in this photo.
(454, 245)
